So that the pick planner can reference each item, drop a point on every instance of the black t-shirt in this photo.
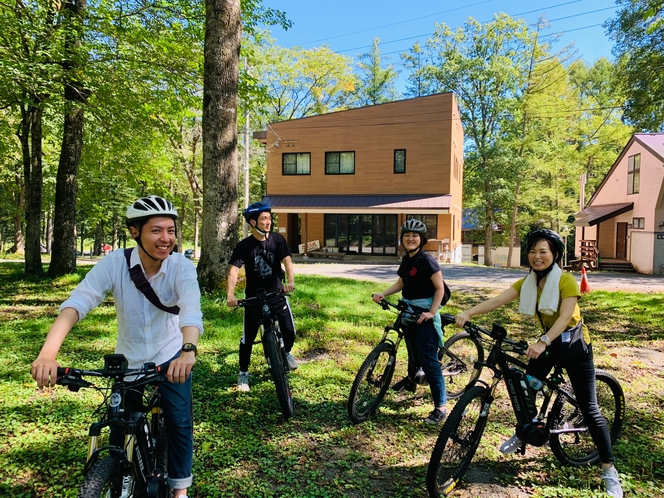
(262, 261)
(416, 275)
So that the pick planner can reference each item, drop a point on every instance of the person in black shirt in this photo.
(262, 254)
(421, 284)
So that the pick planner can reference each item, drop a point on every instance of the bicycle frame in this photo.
(530, 427)
(132, 427)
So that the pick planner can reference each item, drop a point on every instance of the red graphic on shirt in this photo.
(413, 272)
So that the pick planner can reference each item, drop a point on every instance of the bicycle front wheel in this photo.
(104, 480)
(371, 382)
(275, 362)
(457, 442)
(457, 361)
(576, 447)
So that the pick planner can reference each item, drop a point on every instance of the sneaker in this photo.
(436, 416)
(406, 384)
(612, 482)
(511, 445)
(243, 382)
(292, 362)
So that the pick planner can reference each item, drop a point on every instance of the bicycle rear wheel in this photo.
(577, 448)
(277, 367)
(104, 480)
(371, 382)
(457, 361)
(457, 442)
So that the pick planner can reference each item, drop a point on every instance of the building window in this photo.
(340, 163)
(633, 173)
(296, 164)
(399, 161)
(430, 220)
(638, 223)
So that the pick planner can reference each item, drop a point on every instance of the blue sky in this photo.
(349, 26)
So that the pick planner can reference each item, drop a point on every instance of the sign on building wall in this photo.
(311, 246)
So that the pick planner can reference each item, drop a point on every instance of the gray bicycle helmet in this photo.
(415, 226)
(148, 207)
(555, 242)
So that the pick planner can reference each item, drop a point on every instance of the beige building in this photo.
(624, 220)
(349, 179)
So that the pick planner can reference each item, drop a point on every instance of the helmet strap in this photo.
(543, 273)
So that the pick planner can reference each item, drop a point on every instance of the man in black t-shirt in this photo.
(262, 254)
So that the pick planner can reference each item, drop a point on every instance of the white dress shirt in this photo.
(145, 333)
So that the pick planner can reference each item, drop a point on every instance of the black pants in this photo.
(581, 373)
(281, 309)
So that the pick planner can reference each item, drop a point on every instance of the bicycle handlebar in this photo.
(73, 379)
(254, 300)
(497, 333)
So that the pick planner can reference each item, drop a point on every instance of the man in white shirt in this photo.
(145, 332)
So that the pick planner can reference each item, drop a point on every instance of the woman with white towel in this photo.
(552, 296)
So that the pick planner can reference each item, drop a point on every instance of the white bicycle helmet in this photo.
(148, 207)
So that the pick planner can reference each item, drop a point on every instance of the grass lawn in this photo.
(243, 447)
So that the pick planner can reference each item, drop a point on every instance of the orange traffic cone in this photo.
(585, 287)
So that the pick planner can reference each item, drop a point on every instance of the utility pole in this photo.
(245, 232)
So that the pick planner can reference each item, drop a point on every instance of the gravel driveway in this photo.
(470, 276)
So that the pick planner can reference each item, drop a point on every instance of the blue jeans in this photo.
(422, 343)
(176, 401)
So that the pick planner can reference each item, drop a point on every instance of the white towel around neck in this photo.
(548, 303)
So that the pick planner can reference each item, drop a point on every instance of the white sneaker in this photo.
(612, 482)
(243, 382)
(292, 362)
(511, 445)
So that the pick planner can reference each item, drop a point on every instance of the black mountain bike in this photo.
(562, 426)
(457, 361)
(127, 449)
(273, 346)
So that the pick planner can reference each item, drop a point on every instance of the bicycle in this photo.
(133, 462)
(563, 426)
(273, 346)
(457, 359)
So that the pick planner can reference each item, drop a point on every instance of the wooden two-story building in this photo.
(349, 179)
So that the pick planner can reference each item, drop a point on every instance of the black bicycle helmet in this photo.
(254, 210)
(555, 242)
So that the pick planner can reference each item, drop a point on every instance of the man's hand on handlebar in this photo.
(289, 287)
(45, 372)
(231, 301)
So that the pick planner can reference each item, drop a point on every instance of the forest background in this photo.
(105, 101)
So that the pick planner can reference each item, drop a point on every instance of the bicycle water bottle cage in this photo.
(115, 365)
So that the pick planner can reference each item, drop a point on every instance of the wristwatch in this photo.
(545, 339)
(189, 348)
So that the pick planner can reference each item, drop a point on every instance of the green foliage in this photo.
(376, 85)
(242, 445)
(638, 31)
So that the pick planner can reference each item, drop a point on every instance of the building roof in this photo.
(359, 204)
(652, 141)
(592, 215)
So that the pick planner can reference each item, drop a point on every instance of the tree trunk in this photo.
(63, 260)
(31, 145)
(220, 169)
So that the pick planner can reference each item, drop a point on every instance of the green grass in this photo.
(243, 447)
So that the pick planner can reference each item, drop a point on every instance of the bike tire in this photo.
(278, 371)
(457, 442)
(578, 449)
(103, 480)
(369, 389)
(457, 361)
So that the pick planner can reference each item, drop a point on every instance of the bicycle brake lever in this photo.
(73, 383)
